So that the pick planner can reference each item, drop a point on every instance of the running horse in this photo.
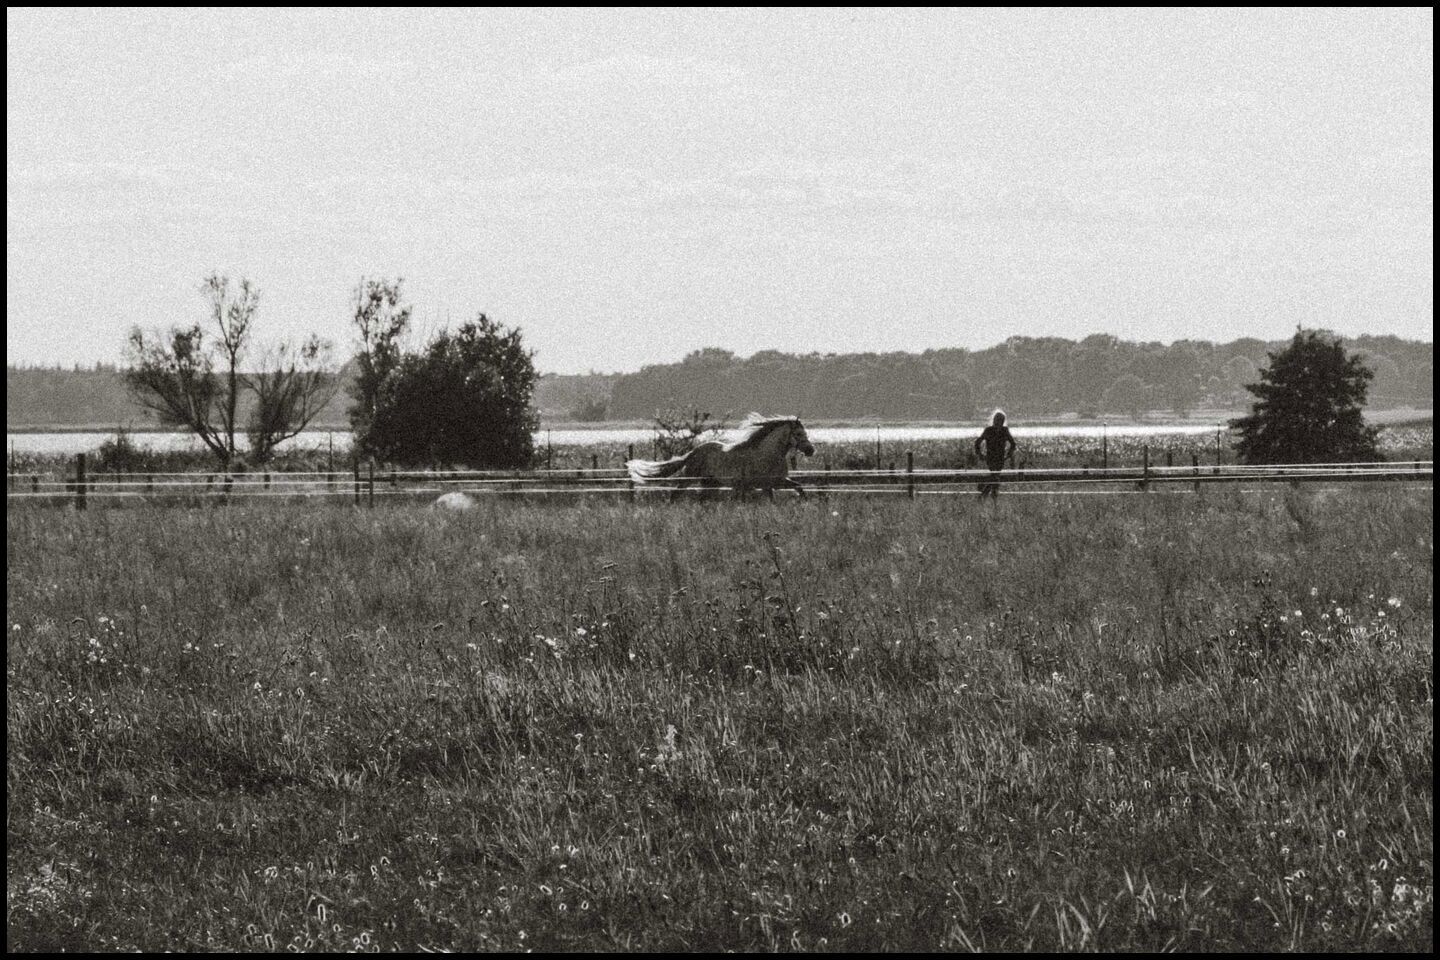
(755, 461)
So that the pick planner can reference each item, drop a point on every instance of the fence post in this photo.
(79, 481)
(630, 455)
(910, 474)
(1195, 466)
(355, 466)
(1145, 471)
(371, 482)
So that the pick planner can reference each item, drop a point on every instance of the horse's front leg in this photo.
(795, 486)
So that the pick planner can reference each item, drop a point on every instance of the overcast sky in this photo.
(628, 186)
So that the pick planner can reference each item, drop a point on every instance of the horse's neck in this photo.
(774, 445)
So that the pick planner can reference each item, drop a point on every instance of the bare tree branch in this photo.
(293, 386)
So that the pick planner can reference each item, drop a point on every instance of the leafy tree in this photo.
(465, 399)
(190, 381)
(1128, 394)
(381, 323)
(1308, 409)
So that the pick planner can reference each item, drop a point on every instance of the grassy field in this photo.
(1137, 722)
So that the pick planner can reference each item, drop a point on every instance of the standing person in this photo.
(999, 446)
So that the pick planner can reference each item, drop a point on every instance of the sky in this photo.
(629, 186)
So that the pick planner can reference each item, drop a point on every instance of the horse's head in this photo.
(800, 440)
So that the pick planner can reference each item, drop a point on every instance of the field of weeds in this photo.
(1144, 722)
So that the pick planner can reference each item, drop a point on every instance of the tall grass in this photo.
(1191, 722)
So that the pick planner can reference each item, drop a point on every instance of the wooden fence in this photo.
(364, 485)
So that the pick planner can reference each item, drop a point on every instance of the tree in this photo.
(189, 381)
(1128, 394)
(290, 389)
(1308, 409)
(465, 399)
(381, 323)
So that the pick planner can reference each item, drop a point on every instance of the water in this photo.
(71, 443)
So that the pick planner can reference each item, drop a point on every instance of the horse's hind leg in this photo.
(795, 486)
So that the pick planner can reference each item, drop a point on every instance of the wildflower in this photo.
(1393, 601)
(1314, 591)
(1340, 834)
(1299, 614)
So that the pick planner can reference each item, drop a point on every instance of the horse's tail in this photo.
(642, 471)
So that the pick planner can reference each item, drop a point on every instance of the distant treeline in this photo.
(1045, 376)
(1035, 376)
(96, 397)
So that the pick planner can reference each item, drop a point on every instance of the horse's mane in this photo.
(756, 427)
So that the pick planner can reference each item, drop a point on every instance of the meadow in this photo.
(1137, 722)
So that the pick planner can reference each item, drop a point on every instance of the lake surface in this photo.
(68, 443)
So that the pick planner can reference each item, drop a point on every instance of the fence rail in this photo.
(84, 487)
